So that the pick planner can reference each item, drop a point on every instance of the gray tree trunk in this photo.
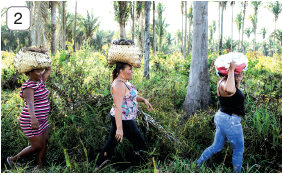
(232, 29)
(147, 39)
(182, 44)
(255, 30)
(141, 30)
(132, 18)
(74, 35)
(198, 94)
(142, 33)
(123, 6)
(138, 38)
(244, 12)
(64, 26)
(30, 4)
(274, 38)
(239, 41)
(221, 33)
(122, 30)
(185, 35)
(53, 28)
(190, 23)
(218, 24)
(160, 18)
(154, 29)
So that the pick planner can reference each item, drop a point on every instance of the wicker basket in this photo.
(26, 61)
(129, 54)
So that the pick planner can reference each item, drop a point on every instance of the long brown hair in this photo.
(116, 71)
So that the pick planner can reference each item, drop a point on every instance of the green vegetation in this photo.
(80, 100)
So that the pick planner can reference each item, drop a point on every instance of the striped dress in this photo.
(41, 109)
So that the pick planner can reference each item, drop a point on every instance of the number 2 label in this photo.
(18, 18)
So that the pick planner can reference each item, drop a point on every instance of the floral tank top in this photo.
(129, 105)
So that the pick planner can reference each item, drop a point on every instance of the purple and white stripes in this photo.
(41, 109)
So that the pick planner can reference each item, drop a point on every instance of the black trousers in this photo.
(130, 131)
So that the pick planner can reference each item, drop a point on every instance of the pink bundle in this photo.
(222, 63)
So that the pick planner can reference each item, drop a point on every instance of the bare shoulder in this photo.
(118, 86)
(222, 83)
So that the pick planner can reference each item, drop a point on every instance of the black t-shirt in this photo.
(233, 104)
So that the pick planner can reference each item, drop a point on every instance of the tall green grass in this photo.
(80, 100)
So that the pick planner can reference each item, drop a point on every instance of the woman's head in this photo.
(123, 70)
(220, 74)
(236, 76)
(34, 74)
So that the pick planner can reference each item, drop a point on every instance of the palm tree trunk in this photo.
(274, 37)
(123, 5)
(142, 34)
(221, 33)
(140, 30)
(232, 30)
(64, 26)
(255, 29)
(122, 30)
(30, 4)
(198, 95)
(74, 35)
(182, 44)
(218, 23)
(189, 35)
(132, 18)
(160, 18)
(185, 35)
(138, 38)
(244, 11)
(147, 39)
(154, 29)
(53, 28)
(239, 41)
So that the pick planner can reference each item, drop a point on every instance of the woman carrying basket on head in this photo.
(123, 113)
(34, 116)
(228, 117)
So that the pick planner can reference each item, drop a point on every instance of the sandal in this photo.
(102, 164)
(10, 163)
(36, 169)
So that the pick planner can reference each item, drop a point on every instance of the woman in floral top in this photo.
(123, 114)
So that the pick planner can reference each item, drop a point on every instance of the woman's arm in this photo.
(29, 97)
(141, 99)
(118, 91)
(229, 86)
(46, 73)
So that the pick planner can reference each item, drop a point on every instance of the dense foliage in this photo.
(80, 100)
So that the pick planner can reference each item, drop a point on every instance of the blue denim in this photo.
(228, 127)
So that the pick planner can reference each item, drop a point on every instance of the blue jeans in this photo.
(228, 127)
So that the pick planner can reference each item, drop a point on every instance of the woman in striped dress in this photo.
(34, 116)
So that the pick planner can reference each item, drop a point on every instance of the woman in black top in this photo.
(228, 118)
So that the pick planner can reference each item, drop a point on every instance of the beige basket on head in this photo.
(129, 54)
(26, 60)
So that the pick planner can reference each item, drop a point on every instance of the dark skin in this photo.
(38, 144)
